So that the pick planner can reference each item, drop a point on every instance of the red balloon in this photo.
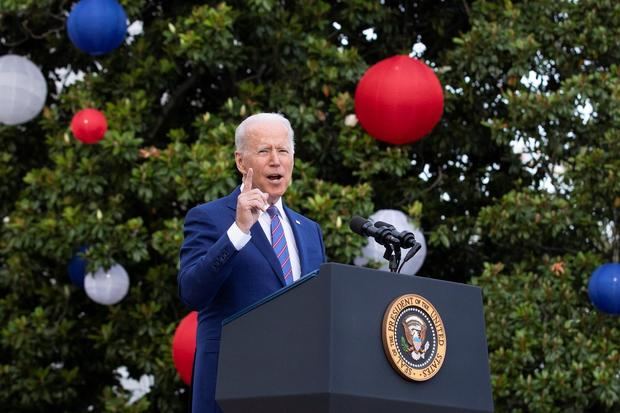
(89, 126)
(184, 346)
(399, 100)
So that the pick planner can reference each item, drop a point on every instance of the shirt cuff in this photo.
(237, 237)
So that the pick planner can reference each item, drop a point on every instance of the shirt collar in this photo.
(280, 207)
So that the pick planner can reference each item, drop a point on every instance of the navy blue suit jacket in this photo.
(217, 280)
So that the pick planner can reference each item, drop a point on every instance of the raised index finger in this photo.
(247, 181)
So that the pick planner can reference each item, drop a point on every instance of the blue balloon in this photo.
(97, 26)
(604, 288)
(77, 268)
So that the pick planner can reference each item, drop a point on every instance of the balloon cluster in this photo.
(107, 286)
(95, 27)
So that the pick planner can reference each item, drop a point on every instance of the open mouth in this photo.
(274, 177)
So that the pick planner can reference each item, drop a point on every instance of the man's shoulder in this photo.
(213, 204)
(228, 201)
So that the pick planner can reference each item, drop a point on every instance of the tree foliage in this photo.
(516, 188)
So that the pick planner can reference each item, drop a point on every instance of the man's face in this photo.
(267, 150)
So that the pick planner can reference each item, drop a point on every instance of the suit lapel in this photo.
(299, 231)
(231, 200)
(259, 240)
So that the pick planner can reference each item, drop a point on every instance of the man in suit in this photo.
(228, 261)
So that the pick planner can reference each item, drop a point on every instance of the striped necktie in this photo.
(278, 242)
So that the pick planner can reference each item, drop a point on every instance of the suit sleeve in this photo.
(206, 259)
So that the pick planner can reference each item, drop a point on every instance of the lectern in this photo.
(350, 339)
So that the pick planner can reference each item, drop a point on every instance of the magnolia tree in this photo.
(516, 188)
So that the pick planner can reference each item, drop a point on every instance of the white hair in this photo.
(240, 132)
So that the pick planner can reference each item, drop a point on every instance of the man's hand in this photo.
(250, 203)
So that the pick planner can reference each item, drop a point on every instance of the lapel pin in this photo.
(298, 223)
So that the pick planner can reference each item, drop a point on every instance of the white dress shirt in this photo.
(240, 238)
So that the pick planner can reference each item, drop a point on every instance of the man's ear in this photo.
(239, 162)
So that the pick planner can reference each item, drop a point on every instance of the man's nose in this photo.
(274, 159)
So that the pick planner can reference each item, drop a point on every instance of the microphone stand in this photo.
(392, 254)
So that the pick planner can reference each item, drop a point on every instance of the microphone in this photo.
(406, 238)
(365, 228)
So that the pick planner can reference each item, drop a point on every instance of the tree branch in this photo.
(437, 181)
(43, 35)
(466, 7)
(176, 97)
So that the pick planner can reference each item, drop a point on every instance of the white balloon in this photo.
(107, 287)
(23, 90)
(374, 252)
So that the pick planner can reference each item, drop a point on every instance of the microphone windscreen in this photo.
(357, 223)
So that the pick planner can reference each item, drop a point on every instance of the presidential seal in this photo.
(414, 338)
